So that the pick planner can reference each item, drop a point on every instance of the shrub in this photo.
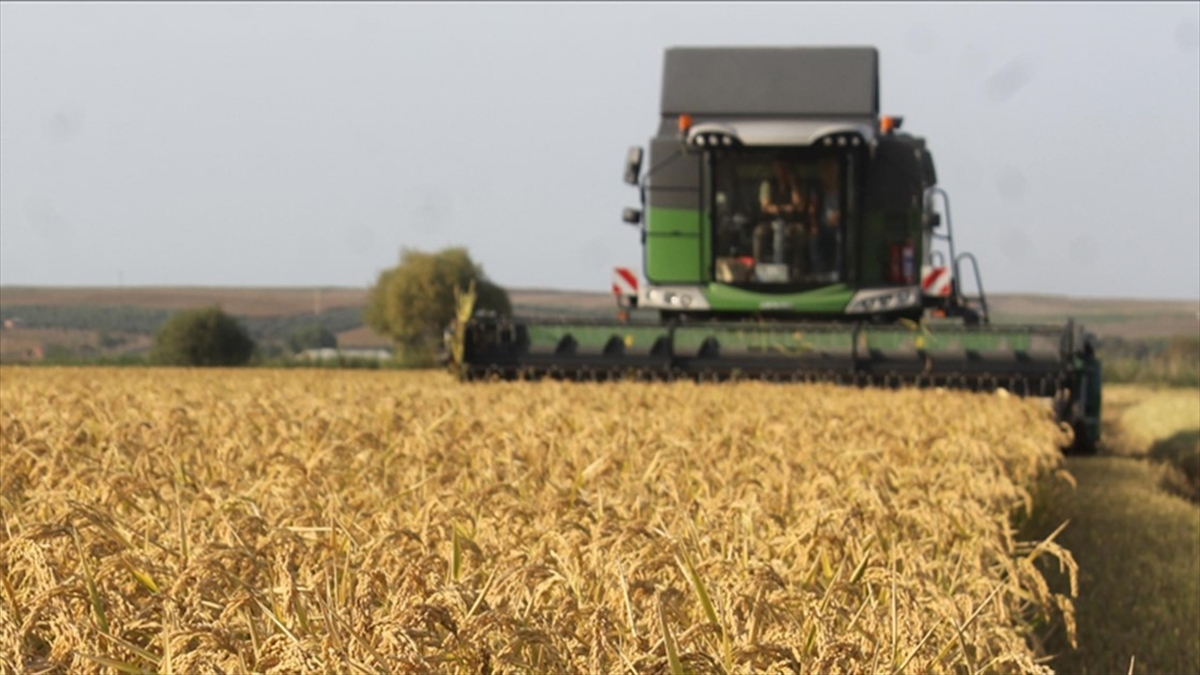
(313, 336)
(202, 337)
(414, 302)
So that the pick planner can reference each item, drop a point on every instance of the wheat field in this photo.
(181, 521)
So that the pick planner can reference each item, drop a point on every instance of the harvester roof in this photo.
(826, 82)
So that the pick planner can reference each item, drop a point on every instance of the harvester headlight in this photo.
(681, 297)
(886, 300)
(700, 140)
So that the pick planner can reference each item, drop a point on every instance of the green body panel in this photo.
(637, 339)
(749, 338)
(742, 339)
(932, 341)
(676, 249)
(881, 229)
(871, 269)
(825, 300)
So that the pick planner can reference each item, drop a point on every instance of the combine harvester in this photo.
(791, 233)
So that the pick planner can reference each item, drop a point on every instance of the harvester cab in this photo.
(790, 231)
(792, 202)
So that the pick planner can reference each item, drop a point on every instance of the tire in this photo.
(1084, 445)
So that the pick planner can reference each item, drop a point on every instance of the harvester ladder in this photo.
(956, 259)
(981, 298)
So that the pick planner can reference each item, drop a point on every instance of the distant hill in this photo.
(1128, 319)
(242, 301)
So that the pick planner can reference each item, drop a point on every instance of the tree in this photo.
(413, 302)
(202, 337)
(313, 336)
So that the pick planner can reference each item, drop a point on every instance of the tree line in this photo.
(145, 320)
(411, 303)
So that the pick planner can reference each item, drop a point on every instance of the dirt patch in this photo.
(1139, 570)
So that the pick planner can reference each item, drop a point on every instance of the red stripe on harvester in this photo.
(628, 276)
(616, 290)
(934, 275)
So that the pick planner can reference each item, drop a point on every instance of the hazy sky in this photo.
(303, 144)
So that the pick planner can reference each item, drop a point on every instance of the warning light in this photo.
(889, 123)
(685, 123)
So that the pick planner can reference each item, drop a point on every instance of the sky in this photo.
(276, 144)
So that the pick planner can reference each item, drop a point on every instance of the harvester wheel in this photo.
(1083, 444)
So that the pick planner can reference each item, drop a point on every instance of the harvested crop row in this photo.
(184, 521)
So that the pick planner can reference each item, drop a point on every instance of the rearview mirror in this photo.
(633, 165)
(631, 215)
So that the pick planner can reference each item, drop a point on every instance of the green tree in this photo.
(313, 336)
(413, 302)
(202, 337)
